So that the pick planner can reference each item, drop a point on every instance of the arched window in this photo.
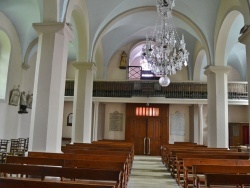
(139, 68)
(5, 49)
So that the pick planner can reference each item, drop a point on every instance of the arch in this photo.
(228, 36)
(200, 63)
(193, 28)
(5, 49)
(32, 48)
(77, 15)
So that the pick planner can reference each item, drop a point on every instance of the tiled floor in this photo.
(149, 172)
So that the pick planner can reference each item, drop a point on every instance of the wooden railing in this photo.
(189, 90)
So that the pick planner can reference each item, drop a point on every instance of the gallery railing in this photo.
(189, 90)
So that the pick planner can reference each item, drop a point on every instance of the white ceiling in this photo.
(117, 23)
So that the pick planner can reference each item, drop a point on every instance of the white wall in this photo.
(237, 113)
(11, 119)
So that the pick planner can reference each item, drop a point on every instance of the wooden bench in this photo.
(30, 183)
(74, 163)
(96, 175)
(227, 180)
(87, 156)
(189, 162)
(199, 170)
(176, 166)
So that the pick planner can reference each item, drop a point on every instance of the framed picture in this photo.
(14, 96)
(70, 119)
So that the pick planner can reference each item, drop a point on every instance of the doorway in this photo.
(238, 134)
(146, 135)
(147, 132)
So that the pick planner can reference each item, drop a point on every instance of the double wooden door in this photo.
(146, 135)
(148, 132)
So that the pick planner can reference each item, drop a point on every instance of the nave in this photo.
(149, 172)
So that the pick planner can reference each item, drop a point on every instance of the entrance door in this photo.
(147, 127)
(146, 136)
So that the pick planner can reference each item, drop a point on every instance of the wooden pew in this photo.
(199, 170)
(86, 156)
(100, 152)
(106, 165)
(189, 162)
(95, 175)
(166, 149)
(29, 183)
(35, 161)
(176, 166)
(69, 162)
(227, 180)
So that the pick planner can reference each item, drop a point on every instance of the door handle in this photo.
(144, 145)
(148, 145)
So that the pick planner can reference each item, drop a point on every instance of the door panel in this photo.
(147, 136)
(154, 136)
(139, 134)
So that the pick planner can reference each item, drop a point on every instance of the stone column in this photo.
(95, 123)
(200, 124)
(217, 106)
(82, 106)
(49, 86)
(245, 39)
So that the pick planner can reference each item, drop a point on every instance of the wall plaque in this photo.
(115, 121)
(177, 124)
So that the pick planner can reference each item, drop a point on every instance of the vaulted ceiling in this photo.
(113, 24)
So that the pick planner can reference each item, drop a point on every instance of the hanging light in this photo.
(164, 51)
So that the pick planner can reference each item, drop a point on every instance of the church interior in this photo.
(83, 71)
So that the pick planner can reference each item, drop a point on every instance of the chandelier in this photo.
(164, 51)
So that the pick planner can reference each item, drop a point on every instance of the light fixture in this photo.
(164, 51)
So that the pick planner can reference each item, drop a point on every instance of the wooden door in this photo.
(146, 136)
(234, 134)
(153, 136)
(238, 134)
(147, 133)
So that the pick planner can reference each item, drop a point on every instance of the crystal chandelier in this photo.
(163, 50)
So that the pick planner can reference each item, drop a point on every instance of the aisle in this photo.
(149, 172)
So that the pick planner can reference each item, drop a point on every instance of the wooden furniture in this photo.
(199, 171)
(26, 183)
(227, 180)
(147, 133)
(42, 172)
(238, 134)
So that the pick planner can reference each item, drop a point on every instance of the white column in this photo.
(245, 39)
(217, 106)
(49, 86)
(95, 123)
(200, 124)
(82, 107)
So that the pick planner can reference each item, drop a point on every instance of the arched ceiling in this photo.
(114, 23)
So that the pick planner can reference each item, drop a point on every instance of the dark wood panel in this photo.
(147, 133)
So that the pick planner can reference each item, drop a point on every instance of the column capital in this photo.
(200, 105)
(54, 27)
(85, 66)
(217, 69)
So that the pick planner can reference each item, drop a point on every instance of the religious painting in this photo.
(14, 96)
